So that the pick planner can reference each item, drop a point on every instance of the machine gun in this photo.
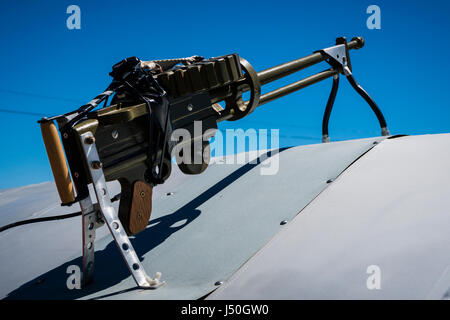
(129, 140)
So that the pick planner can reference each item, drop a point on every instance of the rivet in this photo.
(96, 164)
(89, 140)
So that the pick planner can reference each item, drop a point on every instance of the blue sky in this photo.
(48, 69)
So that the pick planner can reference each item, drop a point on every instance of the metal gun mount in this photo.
(129, 140)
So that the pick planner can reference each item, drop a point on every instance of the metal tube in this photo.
(285, 69)
(329, 108)
(278, 93)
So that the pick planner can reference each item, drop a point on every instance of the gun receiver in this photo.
(129, 140)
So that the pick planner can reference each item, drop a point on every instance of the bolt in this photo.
(115, 134)
(96, 164)
(283, 222)
(89, 140)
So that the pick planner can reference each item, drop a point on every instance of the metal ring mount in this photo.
(235, 104)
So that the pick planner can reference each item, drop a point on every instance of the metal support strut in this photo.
(108, 215)
(338, 57)
(330, 103)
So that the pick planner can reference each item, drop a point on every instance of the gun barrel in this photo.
(290, 88)
(278, 93)
(285, 69)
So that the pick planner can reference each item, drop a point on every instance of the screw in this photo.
(96, 164)
(283, 222)
(89, 140)
(115, 134)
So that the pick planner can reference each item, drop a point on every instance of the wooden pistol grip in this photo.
(57, 161)
(141, 207)
(135, 206)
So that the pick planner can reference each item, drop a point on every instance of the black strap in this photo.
(139, 84)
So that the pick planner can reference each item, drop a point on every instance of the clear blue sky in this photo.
(48, 69)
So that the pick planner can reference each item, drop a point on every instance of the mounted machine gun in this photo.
(130, 139)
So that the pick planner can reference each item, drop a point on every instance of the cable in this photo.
(20, 223)
(30, 94)
(22, 112)
(52, 218)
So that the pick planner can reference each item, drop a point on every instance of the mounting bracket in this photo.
(94, 216)
(339, 59)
